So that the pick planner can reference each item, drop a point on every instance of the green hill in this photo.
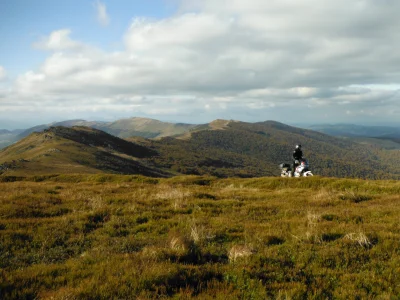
(75, 150)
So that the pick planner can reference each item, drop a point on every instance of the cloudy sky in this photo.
(293, 61)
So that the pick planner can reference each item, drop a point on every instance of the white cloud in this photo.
(181, 31)
(269, 58)
(102, 16)
(59, 40)
(3, 73)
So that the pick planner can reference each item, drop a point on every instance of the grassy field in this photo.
(132, 237)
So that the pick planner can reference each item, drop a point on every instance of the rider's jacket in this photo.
(297, 154)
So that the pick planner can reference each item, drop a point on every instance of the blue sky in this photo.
(24, 22)
(293, 61)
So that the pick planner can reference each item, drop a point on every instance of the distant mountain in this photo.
(7, 137)
(75, 150)
(68, 123)
(150, 128)
(351, 130)
(15, 131)
(144, 127)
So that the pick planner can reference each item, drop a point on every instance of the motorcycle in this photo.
(302, 170)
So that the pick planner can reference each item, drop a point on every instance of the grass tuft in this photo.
(239, 251)
(359, 238)
(355, 197)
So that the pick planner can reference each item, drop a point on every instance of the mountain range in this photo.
(385, 136)
(351, 130)
(144, 127)
(221, 148)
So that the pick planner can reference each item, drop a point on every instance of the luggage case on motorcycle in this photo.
(284, 166)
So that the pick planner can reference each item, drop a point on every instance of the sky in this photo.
(191, 61)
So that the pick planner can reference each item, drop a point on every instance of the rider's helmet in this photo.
(298, 146)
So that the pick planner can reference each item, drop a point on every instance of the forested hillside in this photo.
(256, 149)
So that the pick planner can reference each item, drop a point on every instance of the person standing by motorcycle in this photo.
(297, 156)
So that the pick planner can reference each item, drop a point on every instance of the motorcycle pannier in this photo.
(284, 166)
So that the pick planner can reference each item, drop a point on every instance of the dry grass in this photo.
(359, 238)
(178, 243)
(177, 196)
(124, 237)
(324, 198)
(239, 251)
